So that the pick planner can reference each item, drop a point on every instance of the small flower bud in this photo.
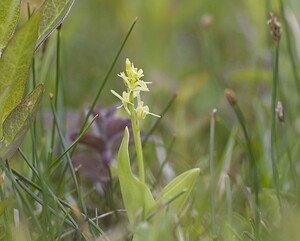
(280, 111)
(230, 95)
(275, 27)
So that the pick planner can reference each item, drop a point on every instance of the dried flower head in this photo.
(206, 21)
(231, 97)
(280, 111)
(275, 27)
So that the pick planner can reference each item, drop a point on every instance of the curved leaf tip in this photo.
(180, 189)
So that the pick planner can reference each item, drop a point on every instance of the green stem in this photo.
(254, 175)
(228, 200)
(290, 49)
(153, 128)
(212, 174)
(273, 127)
(69, 162)
(107, 75)
(290, 159)
(55, 93)
(137, 139)
(22, 199)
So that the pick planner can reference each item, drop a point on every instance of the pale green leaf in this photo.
(183, 185)
(157, 229)
(54, 13)
(14, 67)
(9, 15)
(18, 122)
(137, 197)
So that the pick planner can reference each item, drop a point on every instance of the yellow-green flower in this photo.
(125, 100)
(134, 85)
(142, 111)
(132, 72)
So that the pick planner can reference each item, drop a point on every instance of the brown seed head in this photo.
(275, 27)
(206, 21)
(280, 111)
(231, 97)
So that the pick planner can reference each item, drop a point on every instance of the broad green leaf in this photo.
(9, 15)
(54, 13)
(18, 122)
(14, 67)
(183, 183)
(137, 197)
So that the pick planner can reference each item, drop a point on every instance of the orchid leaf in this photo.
(14, 67)
(54, 13)
(18, 122)
(157, 229)
(137, 197)
(9, 15)
(179, 188)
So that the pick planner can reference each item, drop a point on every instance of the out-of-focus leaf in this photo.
(137, 197)
(18, 121)
(9, 15)
(14, 66)
(184, 182)
(250, 76)
(159, 228)
(3, 205)
(270, 208)
(54, 13)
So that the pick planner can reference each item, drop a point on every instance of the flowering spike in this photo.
(275, 27)
(134, 85)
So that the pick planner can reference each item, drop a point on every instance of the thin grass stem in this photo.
(34, 127)
(56, 162)
(290, 48)
(39, 188)
(61, 203)
(212, 174)
(153, 128)
(291, 163)
(73, 173)
(253, 170)
(228, 200)
(166, 204)
(69, 162)
(107, 75)
(164, 163)
(5, 216)
(55, 93)
(19, 194)
(273, 126)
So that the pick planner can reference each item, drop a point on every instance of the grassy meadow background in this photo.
(194, 50)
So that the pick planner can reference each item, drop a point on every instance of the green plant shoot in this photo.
(137, 197)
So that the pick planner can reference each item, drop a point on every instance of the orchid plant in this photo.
(138, 200)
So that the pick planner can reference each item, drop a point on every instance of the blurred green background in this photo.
(193, 48)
